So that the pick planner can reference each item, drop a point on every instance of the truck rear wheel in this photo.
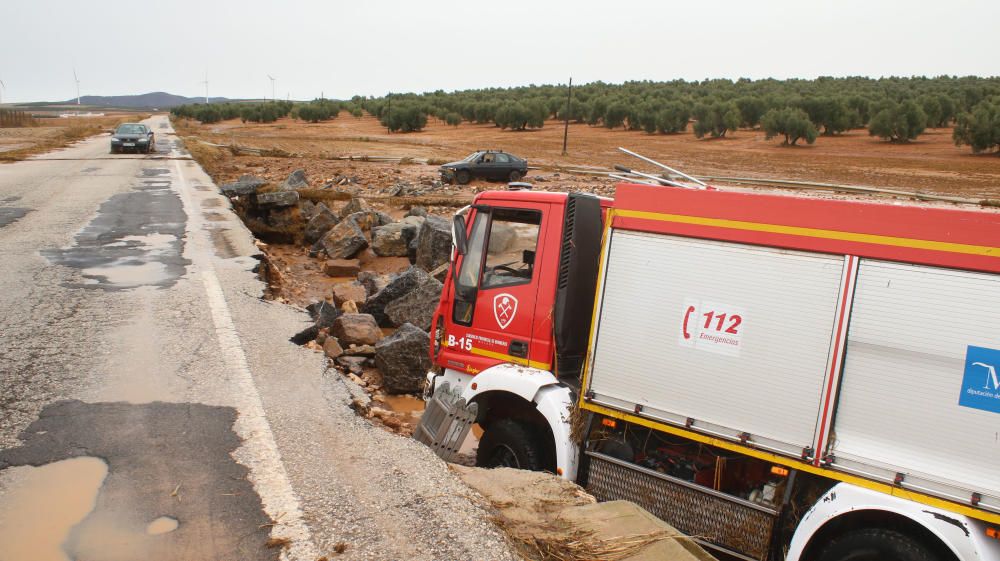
(875, 544)
(509, 443)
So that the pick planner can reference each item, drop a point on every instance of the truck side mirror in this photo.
(458, 234)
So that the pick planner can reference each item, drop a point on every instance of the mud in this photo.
(39, 506)
(136, 239)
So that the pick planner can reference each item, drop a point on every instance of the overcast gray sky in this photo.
(375, 46)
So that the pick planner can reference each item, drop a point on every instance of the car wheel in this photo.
(463, 177)
(876, 544)
(514, 175)
(510, 443)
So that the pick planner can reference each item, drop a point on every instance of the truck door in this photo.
(493, 313)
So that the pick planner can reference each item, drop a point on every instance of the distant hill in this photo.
(159, 100)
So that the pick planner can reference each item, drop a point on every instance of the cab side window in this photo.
(510, 257)
(468, 275)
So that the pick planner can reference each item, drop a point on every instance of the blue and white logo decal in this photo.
(981, 384)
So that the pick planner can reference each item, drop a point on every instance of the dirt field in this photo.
(932, 164)
(50, 134)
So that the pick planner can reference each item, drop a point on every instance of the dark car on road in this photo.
(135, 137)
(485, 164)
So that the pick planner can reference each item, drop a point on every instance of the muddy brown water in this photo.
(39, 506)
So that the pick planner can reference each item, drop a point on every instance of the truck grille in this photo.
(713, 519)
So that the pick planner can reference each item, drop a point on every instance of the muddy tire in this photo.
(509, 443)
(876, 544)
(514, 176)
(462, 177)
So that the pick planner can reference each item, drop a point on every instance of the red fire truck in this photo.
(783, 377)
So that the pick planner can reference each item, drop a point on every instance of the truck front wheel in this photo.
(509, 443)
(875, 544)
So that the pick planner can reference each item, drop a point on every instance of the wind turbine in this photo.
(77, 80)
(272, 78)
(3, 88)
(206, 87)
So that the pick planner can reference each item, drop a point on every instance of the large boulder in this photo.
(342, 267)
(356, 329)
(344, 240)
(277, 198)
(323, 313)
(401, 285)
(433, 243)
(356, 204)
(352, 291)
(323, 219)
(403, 358)
(369, 220)
(417, 306)
(297, 180)
(245, 185)
(393, 240)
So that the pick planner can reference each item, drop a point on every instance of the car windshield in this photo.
(471, 157)
(131, 129)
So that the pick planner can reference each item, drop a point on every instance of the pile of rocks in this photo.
(350, 330)
(350, 327)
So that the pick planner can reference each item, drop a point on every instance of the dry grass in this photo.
(210, 157)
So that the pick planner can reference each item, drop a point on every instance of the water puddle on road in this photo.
(40, 505)
(128, 273)
(162, 525)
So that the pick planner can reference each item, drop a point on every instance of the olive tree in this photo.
(791, 122)
(979, 128)
(715, 118)
(898, 122)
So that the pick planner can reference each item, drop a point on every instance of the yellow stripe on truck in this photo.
(513, 359)
(814, 233)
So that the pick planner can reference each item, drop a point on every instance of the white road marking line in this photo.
(267, 471)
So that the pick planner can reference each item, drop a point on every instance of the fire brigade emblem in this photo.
(504, 309)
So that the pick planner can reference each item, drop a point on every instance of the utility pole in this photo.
(388, 115)
(569, 100)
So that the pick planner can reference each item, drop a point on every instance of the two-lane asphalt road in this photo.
(151, 405)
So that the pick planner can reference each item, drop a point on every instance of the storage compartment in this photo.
(731, 339)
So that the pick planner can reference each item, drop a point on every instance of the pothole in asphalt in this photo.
(39, 506)
(162, 525)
